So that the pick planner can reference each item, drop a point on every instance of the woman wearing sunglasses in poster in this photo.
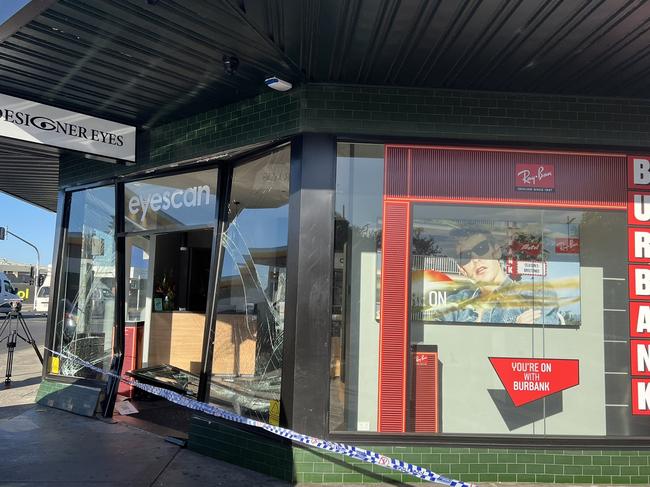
(496, 297)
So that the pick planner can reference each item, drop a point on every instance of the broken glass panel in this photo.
(247, 364)
(86, 309)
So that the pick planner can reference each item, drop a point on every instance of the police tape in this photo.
(361, 454)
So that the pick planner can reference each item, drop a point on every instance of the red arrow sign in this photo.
(529, 379)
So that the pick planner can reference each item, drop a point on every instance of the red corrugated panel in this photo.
(393, 333)
(425, 392)
(488, 175)
(396, 171)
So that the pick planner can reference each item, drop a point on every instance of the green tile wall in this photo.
(360, 111)
(279, 458)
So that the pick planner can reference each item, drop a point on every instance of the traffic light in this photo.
(3, 233)
(41, 279)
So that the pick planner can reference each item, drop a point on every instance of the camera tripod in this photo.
(10, 330)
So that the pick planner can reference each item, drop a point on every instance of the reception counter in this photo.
(176, 338)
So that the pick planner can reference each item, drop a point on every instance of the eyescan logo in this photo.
(164, 200)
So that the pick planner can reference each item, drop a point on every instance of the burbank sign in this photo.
(638, 219)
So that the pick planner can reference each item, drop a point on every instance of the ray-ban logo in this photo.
(535, 177)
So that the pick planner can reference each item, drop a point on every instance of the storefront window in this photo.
(247, 363)
(85, 313)
(355, 313)
(492, 289)
(480, 292)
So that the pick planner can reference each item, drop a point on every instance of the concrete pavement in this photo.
(45, 447)
(41, 446)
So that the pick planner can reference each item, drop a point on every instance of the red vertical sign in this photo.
(638, 218)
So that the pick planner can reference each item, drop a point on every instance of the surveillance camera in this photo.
(230, 64)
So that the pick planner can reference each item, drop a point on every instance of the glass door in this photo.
(249, 331)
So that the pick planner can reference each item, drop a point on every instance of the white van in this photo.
(42, 299)
(8, 293)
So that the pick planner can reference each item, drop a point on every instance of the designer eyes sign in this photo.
(43, 124)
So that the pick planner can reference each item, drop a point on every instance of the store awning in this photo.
(147, 62)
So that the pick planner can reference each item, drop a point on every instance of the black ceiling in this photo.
(145, 64)
(29, 172)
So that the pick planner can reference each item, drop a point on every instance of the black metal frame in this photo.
(225, 172)
(310, 257)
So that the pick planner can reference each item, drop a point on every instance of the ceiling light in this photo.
(278, 84)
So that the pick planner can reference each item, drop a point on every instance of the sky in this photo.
(10, 7)
(30, 222)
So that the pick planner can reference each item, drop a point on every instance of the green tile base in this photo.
(276, 457)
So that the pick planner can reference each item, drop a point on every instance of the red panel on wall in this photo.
(396, 171)
(424, 415)
(393, 334)
(462, 175)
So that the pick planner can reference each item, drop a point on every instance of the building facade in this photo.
(454, 278)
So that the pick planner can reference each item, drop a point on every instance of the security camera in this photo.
(230, 64)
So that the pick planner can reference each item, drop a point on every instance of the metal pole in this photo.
(38, 265)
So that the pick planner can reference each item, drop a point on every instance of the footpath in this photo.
(45, 447)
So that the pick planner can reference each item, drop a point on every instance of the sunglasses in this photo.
(479, 250)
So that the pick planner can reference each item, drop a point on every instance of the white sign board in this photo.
(43, 124)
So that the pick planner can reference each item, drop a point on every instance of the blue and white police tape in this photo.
(367, 456)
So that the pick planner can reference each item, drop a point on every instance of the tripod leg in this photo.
(5, 323)
(30, 337)
(11, 345)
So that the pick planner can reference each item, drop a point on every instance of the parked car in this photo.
(42, 300)
(8, 294)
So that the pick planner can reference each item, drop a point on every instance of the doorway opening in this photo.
(167, 279)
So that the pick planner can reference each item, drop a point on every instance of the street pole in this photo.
(38, 264)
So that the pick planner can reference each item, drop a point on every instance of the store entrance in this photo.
(167, 277)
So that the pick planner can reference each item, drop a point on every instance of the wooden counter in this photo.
(176, 338)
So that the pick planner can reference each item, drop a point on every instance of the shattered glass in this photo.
(247, 367)
(86, 309)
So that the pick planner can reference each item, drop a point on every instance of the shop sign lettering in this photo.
(639, 319)
(641, 396)
(638, 172)
(638, 218)
(43, 124)
(164, 200)
(529, 379)
(526, 267)
(567, 245)
(535, 177)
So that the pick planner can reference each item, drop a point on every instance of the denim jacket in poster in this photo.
(504, 304)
